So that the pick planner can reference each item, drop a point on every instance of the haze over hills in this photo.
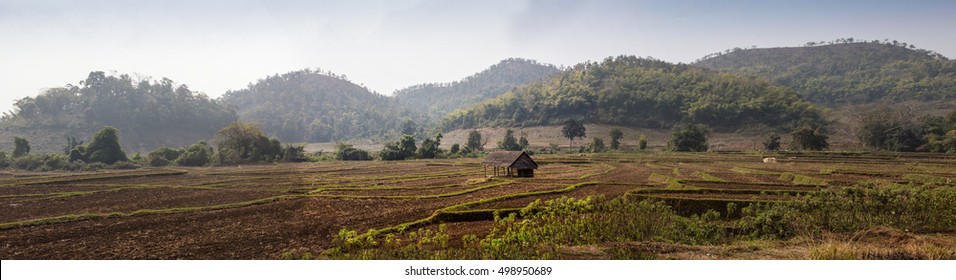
(640, 92)
(315, 106)
(844, 72)
(437, 99)
(753, 90)
(147, 113)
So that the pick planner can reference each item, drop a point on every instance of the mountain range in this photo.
(746, 90)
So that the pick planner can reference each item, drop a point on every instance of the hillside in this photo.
(147, 113)
(637, 92)
(843, 72)
(314, 106)
(438, 99)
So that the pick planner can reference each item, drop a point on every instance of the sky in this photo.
(216, 46)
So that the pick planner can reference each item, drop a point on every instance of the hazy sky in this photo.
(215, 46)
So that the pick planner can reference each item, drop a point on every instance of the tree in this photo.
(642, 142)
(809, 138)
(689, 138)
(893, 129)
(429, 148)
(474, 141)
(401, 150)
(455, 148)
(772, 143)
(244, 142)
(21, 147)
(508, 143)
(105, 147)
(523, 142)
(616, 136)
(597, 145)
(572, 129)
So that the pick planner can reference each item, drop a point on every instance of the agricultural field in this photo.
(448, 208)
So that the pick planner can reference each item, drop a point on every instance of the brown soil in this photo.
(304, 223)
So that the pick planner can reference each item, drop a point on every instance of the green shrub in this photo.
(348, 152)
(105, 147)
(198, 154)
(41, 162)
(294, 154)
(401, 150)
(911, 208)
(163, 156)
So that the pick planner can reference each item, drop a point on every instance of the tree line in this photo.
(236, 143)
(150, 112)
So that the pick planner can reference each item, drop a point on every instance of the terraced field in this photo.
(267, 211)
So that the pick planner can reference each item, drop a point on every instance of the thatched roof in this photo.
(513, 159)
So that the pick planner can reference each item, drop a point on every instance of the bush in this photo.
(158, 161)
(401, 150)
(78, 154)
(910, 208)
(294, 154)
(198, 154)
(163, 156)
(245, 142)
(348, 152)
(105, 147)
(41, 162)
(429, 148)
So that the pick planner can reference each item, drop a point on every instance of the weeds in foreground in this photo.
(543, 228)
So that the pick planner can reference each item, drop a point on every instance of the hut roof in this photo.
(513, 159)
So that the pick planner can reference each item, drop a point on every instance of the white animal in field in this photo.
(769, 160)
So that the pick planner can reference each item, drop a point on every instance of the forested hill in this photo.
(315, 106)
(843, 72)
(438, 99)
(147, 113)
(639, 92)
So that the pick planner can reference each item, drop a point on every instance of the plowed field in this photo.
(263, 211)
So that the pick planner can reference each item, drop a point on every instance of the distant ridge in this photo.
(845, 72)
(438, 99)
(640, 92)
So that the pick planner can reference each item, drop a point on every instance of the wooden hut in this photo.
(510, 163)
